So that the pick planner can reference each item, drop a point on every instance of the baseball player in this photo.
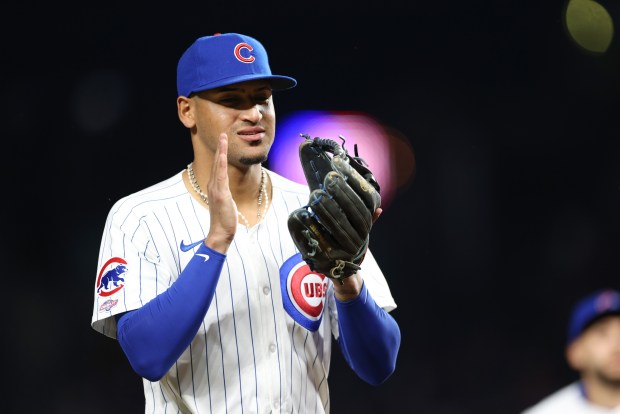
(593, 350)
(199, 278)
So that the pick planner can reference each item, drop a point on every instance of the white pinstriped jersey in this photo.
(569, 400)
(265, 343)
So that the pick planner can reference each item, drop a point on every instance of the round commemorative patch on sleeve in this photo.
(303, 292)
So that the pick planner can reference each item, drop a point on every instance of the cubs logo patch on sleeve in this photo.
(111, 277)
(303, 292)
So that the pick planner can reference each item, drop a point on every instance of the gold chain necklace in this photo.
(262, 193)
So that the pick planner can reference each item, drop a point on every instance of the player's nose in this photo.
(253, 114)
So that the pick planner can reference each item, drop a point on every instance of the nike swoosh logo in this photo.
(206, 256)
(186, 247)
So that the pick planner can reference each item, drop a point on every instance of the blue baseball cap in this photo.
(591, 308)
(224, 59)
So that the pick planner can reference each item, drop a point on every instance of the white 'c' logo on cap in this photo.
(238, 50)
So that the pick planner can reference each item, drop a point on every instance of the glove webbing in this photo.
(334, 148)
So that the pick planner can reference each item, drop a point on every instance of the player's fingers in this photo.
(220, 165)
(222, 207)
(376, 214)
(219, 176)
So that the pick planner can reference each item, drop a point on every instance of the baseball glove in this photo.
(332, 230)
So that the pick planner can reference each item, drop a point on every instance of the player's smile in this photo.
(252, 134)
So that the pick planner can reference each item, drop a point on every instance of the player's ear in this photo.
(575, 354)
(185, 111)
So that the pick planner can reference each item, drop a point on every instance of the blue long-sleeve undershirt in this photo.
(154, 336)
(369, 338)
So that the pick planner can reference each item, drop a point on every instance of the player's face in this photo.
(598, 349)
(245, 111)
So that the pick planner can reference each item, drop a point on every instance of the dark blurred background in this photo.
(512, 215)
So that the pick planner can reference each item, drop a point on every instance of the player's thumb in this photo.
(376, 214)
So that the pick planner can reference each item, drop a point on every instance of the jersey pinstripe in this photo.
(249, 354)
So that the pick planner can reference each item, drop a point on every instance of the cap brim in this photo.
(278, 82)
(282, 82)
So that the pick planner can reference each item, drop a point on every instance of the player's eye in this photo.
(262, 99)
(230, 101)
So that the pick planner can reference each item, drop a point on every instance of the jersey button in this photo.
(266, 290)
(272, 348)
